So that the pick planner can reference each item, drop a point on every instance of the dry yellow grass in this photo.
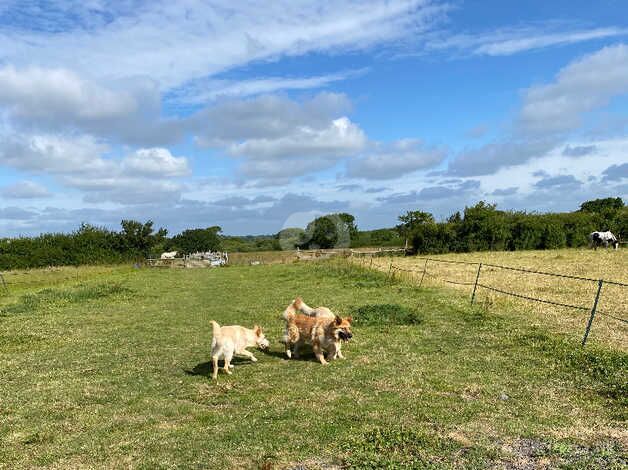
(601, 264)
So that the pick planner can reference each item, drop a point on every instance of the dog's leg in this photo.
(297, 346)
(215, 364)
(318, 352)
(248, 354)
(339, 350)
(228, 355)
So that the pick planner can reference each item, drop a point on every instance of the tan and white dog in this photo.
(319, 327)
(230, 340)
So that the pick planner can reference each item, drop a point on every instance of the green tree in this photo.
(330, 231)
(410, 221)
(602, 205)
(290, 238)
(484, 228)
(139, 238)
(197, 239)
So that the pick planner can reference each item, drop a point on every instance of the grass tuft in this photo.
(399, 447)
(385, 314)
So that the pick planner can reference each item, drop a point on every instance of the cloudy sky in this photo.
(259, 115)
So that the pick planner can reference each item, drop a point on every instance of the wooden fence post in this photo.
(475, 286)
(597, 298)
(424, 271)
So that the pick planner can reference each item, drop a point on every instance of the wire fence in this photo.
(481, 283)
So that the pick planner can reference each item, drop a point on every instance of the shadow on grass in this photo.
(305, 354)
(205, 368)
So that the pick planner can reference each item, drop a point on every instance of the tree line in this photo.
(477, 228)
(483, 227)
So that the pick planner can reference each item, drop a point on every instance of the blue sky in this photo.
(257, 116)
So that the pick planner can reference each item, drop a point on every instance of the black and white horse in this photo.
(603, 238)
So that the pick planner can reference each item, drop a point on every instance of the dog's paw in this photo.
(231, 366)
(253, 358)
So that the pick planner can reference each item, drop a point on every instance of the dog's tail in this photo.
(291, 309)
(216, 328)
(303, 307)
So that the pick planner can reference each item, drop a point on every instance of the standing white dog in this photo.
(230, 340)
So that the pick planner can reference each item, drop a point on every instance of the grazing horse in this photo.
(603, 238)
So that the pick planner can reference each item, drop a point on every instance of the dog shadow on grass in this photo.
(205, 368)
(305, 354)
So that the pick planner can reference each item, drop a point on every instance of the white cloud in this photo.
(508, 41)
(81, 162)
(55, 154)
(174, 43)
(395, 160)
(265, 117)
(340, 138)
(155, 162)
(206, 90)
(266, 131)
(56, 93)
(24, 190)
(584, 85)
(550, 111)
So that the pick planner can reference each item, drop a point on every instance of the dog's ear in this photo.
(338, 320)
(349, 319)
(258, 330)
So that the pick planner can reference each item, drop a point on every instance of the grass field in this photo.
(109, 368)
(606, 264)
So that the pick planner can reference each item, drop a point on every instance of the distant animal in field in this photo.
(319, 327)
(169, 255)
(603, 239)
(230, 340)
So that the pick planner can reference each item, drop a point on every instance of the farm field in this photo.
(109, 368)
(601, 264)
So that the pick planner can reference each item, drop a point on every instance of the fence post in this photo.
(475, 286)
(597, 298)
(371, 266)
(390, 267)
(424, 270)
(4, 284)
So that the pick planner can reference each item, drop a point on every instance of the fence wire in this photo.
(532, 271)
(394, 268)
(520, 296)
(612, 316)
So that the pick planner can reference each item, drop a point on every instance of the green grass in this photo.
(114, 372)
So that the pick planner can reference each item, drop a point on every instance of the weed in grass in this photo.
(401, 447)
(385, 314)
(568, 455)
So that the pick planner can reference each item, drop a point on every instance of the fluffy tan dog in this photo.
(230, 340)
(319, 327)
